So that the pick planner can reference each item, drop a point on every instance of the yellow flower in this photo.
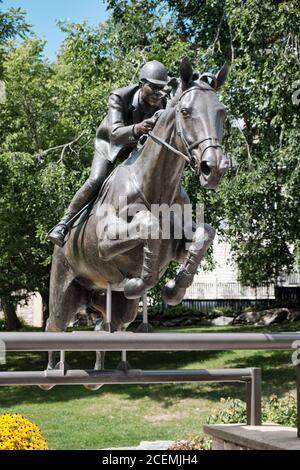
(18, 433)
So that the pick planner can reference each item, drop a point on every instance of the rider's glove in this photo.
(143, 127)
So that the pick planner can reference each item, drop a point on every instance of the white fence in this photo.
(235, 290)
(228, 290)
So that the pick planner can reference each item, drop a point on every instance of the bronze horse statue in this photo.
(189, 129)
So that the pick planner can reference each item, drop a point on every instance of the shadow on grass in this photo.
(278, 377)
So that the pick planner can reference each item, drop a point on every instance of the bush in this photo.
(18, 433)
(3, 325)
(193, 443)
(232, 411)
(225, 311)
(171, 312)
(276, 410)
(180, 311)
(281, 410)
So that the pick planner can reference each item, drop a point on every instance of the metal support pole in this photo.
(145, 326)
(62, 358)
(134, 376)
(145, 309)
(248, 400)
(298, 397)
(254, 398)
(108, 306)
(102, 341)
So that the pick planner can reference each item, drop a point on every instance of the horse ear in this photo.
(186, 73)
(222, 75)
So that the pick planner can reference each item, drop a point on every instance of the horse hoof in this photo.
(93, 388)
(171, 294)
(134, 288)
(46, 388)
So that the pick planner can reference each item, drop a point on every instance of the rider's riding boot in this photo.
(58, 234)
(101, 168)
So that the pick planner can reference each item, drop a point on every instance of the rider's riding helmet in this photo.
(154, 72)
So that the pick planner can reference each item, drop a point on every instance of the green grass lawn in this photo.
(72, 417)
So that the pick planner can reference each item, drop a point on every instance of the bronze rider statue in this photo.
(129, 117)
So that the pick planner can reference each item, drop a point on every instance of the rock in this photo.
(276, 315)
(170, 323)
(146, 445)
(293, 315)
(248, 318)
(204, 322)
(155, 445)
(264, 317)
(222, 321)
(188, 322)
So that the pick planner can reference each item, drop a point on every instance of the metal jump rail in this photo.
(105, 341)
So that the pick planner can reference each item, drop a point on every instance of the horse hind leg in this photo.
(123, 310)
(67, 297)
(174, 290)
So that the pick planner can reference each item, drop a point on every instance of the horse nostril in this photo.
(205, 168)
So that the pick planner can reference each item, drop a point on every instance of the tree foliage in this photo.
(12, 24)
(48, 123)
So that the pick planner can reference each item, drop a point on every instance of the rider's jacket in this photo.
(115, 137)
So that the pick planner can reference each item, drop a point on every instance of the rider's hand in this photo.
(143, 127)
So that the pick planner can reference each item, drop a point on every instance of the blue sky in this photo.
(42, 14)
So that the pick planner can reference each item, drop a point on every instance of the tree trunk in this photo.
(45, 299)
(11, 319)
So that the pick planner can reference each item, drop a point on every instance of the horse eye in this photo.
(184, 112)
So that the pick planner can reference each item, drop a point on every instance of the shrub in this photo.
(233, 411)
(18, 433)
(225, 311)
(171, 312)
(192, 443)
(281, 410)
(275, 410)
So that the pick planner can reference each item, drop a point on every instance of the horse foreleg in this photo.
(174, 290)
(150, 231)
(142, 230)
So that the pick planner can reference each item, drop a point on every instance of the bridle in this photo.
(213, 140)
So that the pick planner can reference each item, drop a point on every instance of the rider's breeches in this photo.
(101, 168)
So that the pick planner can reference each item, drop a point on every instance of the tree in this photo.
(12, 24)
(47, 128)
(33, 181)
(48, 122)
(259, 202)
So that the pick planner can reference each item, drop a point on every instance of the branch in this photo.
(231, 44)
(247, 145)
(216, 39)
(141, 62)
(63, 147)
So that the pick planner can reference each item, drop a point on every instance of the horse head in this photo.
(199, 123)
